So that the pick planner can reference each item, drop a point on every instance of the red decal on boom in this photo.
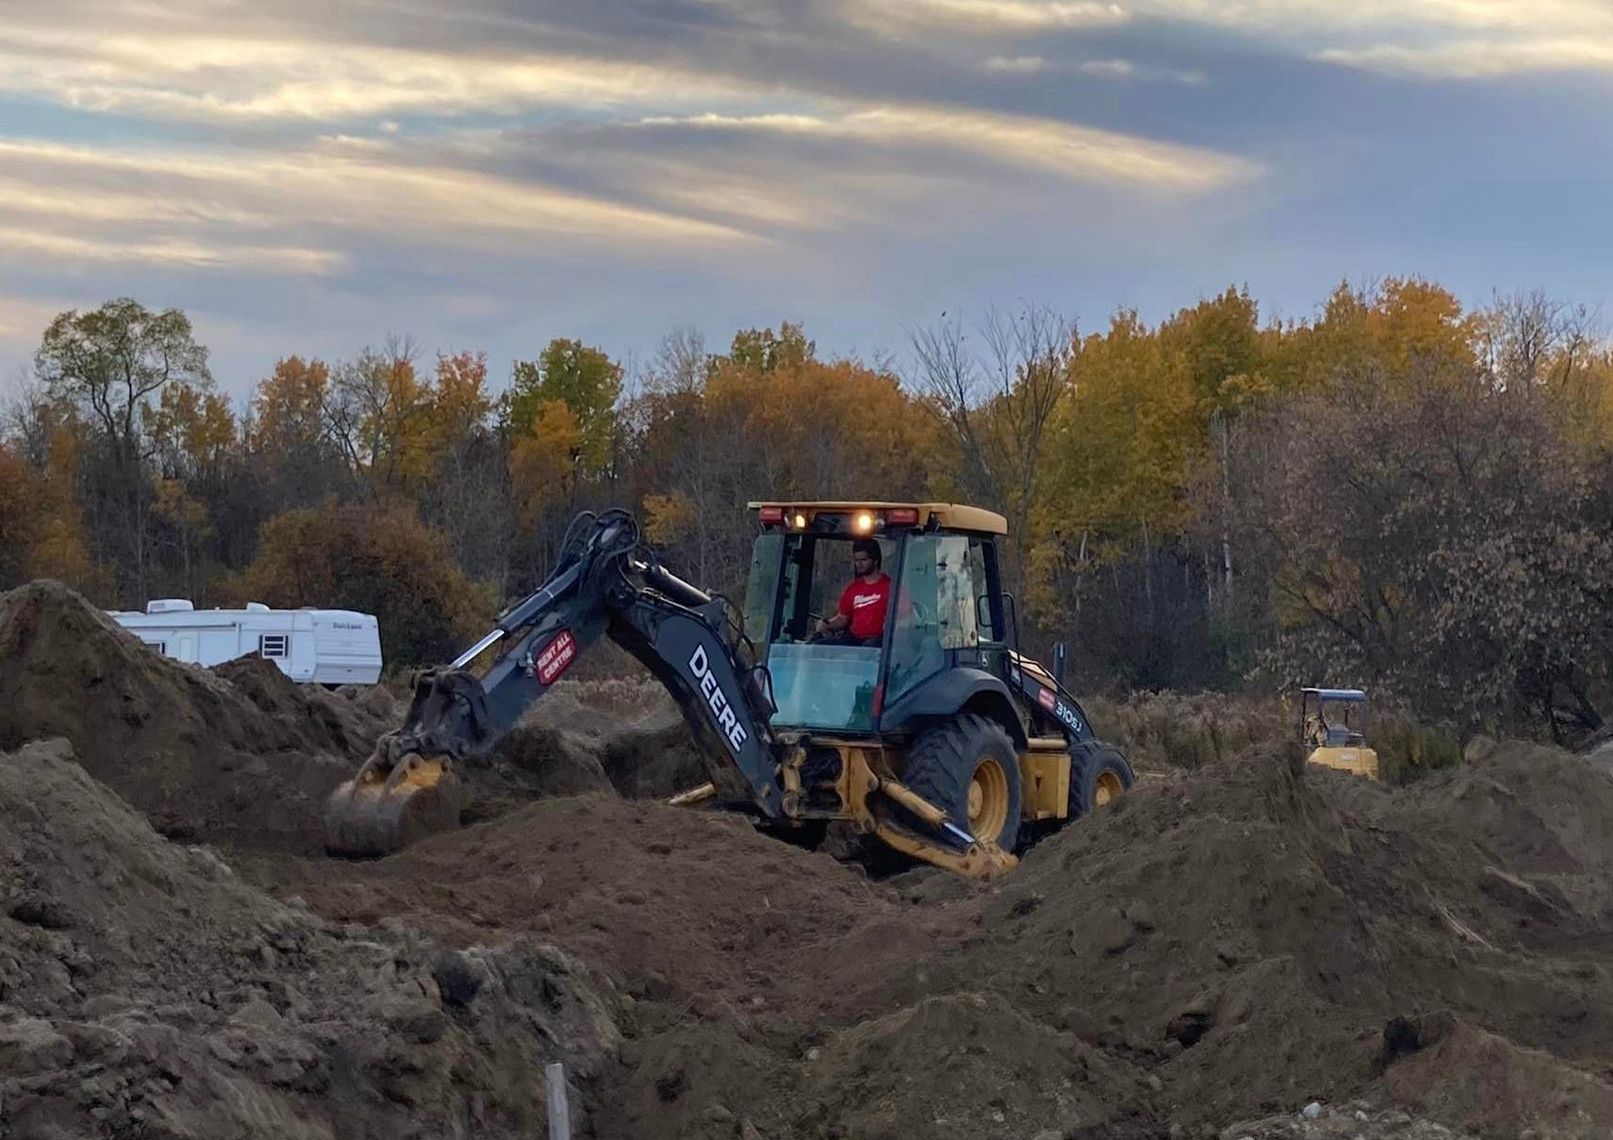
(556, 657)
(1046, 699)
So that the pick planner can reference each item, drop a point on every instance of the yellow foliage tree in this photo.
(544, 461)
(289, 407)
(1119, 457)
(460, 404)
(193, 429)
(19, 519)
(42, 531)
(1581, 393)
(379, 411)
(668, 518)
(1413, 320)
(1124, 438)
(840, 430)
(1378, 332)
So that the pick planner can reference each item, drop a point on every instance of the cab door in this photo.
(990, 651)
(935, 621)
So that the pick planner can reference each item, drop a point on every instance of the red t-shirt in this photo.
(865, 603)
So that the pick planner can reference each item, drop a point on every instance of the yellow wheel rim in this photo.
(988, 799)
(1109, 788)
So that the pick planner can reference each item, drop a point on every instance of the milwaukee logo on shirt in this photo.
(865, 604)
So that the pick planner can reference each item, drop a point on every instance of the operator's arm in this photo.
(841, 619)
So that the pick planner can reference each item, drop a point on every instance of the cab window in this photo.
(761, 590)
(816, 685)
(935, 610)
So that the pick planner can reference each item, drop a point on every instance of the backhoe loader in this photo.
(930, 732)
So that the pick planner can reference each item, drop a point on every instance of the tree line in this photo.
(1395, 492)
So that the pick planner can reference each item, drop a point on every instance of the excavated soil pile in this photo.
(345, 722)
(1355, 1121)
(239, 753)
(623, 735)
(147, 992)
(1222, 946)
(1249, 937)
(1214, 955)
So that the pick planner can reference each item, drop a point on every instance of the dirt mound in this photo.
(1268, 910)
(202, 757)
(1221, 945)
(1463, 1074)
(346, 722)
(1228, 920)
(146, 991)
(622, 735)
(682, 906)
(1537, 811)
(1232, 942)
(1356, 1121)
(632, 726)
(241, 754)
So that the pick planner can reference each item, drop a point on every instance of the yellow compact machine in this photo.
(1326, 728)
(873, 676)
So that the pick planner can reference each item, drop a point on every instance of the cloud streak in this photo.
(1059, 149)
(309, 167)
(1477, 59)
(1015, 64)
(219, 78)
(1005, 17)
(358, 144)
(180, 253)
(338, 186)
(1430, 39)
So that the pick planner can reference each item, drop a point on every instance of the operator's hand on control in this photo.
(829, 626)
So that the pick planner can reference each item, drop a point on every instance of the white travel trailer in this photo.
(330, 647)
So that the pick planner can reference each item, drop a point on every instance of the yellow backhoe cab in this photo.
(1326, 728)
(914, 717)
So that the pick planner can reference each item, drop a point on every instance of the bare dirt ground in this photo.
(1243, 949)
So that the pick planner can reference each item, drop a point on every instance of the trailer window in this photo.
(274, 645)
(159, 646)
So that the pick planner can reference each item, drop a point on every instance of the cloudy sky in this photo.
(310, 175)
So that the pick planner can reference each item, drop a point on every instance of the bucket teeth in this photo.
(382, 810)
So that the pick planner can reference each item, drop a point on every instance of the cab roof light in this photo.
(771, 514)
(902, 516)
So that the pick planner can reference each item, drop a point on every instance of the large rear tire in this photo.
(968, 767)
(1099, 775)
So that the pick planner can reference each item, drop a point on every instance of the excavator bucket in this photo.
(383, 809)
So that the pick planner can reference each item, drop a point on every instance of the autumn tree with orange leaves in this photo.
(1396, 491)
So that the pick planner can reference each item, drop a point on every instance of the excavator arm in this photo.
(604, 584)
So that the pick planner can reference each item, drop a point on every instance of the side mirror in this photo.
(1061, 661)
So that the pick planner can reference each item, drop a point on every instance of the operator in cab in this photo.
(860, 617)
